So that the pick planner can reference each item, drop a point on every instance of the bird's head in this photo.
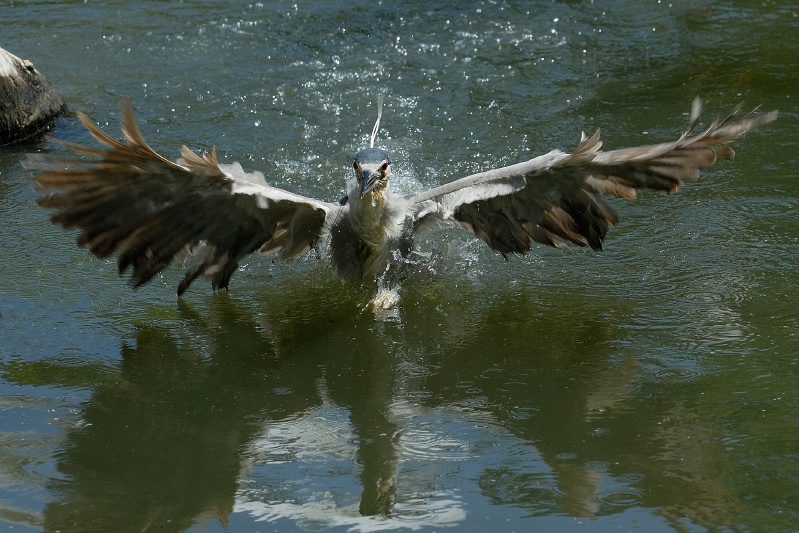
(372, 170)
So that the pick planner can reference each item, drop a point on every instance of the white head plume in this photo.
(377, 122)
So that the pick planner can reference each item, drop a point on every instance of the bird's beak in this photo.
(368, 180)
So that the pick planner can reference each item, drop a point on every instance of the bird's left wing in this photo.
(129, 200)
(558, 197)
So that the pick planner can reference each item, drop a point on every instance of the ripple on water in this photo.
(631, 477)
(524, 412)
(680, 374)
(322, 435)
(423, 443)
(619, 497)
(765, 207)
(566, 456)
(317, 513)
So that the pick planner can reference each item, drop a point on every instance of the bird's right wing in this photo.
(148, 210)
(558, 197)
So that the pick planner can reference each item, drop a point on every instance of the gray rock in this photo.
(28, 102)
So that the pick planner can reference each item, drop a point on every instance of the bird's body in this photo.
(149, 210)
(375, 224)
(364, 240)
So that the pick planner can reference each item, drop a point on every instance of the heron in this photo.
(126, 199)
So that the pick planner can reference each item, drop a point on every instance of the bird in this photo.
(127, 200)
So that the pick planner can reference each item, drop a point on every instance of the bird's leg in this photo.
(386, 297)
(384, 300)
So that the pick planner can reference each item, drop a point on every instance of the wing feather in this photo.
(130, 201)
(558, 198)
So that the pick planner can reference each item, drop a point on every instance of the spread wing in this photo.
(558, 198)
(129, 200)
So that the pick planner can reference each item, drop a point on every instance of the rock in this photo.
(28, 102)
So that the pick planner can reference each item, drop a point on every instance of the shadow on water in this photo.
(364, 423)
(563, 383)
(162, 446)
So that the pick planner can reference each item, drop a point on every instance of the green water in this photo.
(649, 387)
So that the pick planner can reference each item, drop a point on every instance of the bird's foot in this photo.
(384, 300)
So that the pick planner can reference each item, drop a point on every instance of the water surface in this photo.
(651, 386)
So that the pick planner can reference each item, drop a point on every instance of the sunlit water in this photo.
(651, 386)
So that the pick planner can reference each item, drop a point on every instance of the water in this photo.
(651, 386)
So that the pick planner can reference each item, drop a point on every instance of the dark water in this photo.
(650, 387)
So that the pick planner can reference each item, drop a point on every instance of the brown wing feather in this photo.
(557, 198)
(148, 210)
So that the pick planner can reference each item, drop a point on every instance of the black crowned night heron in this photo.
(131, 201)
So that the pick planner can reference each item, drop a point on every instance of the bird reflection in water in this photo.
(209, 421)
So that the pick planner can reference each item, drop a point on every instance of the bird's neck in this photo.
(375, 218)
(371, 206)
